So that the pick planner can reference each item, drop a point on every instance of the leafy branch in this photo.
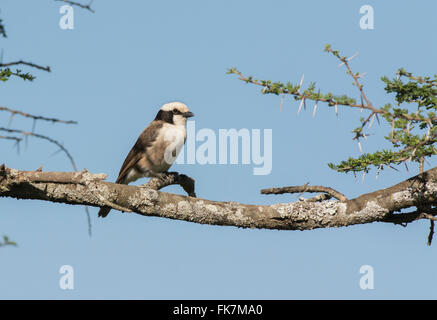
(7, 242)
(7, 73)
(412, 132)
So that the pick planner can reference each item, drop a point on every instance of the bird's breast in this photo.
(166, 147)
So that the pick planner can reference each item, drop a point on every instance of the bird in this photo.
(157, 146)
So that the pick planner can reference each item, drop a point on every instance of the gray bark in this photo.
(84, 188)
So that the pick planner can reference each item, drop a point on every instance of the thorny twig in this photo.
(305, 188)
(30, 64)
(36, 135)
(35, 117)
(83, 6)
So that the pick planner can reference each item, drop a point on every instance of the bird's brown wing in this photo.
(145, 140)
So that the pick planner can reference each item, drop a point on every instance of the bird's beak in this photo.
(188, 114)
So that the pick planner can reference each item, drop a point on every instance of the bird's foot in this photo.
(160, 175)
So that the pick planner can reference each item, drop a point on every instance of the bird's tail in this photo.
(103, 212)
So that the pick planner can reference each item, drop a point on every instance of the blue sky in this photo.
(120, 64)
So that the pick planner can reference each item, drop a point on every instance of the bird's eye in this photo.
(175, 111)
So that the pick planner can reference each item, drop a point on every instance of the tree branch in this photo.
(280, 88)
(40, 136)
(84, 188)
(16, 139)
(305, 188)
(29, 64)
(171, 178)
(80, 5)
(13, 112)
(2, 29)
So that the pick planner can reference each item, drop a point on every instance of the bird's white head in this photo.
(175, 113)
